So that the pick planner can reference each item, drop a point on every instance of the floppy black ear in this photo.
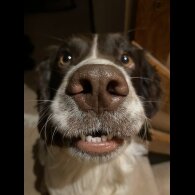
(147, 84)
(44, 75)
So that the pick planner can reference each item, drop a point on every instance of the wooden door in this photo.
(153, 27)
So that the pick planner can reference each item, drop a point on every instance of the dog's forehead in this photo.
(79, 39)
(76, 43)
(107, 38)
(106, 43)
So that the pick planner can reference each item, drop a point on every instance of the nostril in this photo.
(111, 87)
(81, 86)
(117, 88)
(86, 86)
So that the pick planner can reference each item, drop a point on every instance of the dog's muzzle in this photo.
(98, 88)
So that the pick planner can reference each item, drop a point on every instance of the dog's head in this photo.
(95, 93)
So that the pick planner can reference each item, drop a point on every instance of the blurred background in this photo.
(46, 22)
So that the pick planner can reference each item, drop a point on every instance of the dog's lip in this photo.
(99, 147)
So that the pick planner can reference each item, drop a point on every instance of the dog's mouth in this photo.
(98, 143)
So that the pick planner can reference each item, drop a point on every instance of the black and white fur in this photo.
(67, 171)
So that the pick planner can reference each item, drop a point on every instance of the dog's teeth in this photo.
(93, 139)
(104, 138)
(110, 136)
(82, 137)
(88, 138)
(98, 139)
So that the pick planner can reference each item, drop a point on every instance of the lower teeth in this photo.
(90, 138)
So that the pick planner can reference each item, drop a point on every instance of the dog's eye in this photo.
(65, 58)
(125, 59)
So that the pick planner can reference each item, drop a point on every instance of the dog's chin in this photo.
(98, 149)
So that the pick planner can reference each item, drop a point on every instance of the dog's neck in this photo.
(65, 174)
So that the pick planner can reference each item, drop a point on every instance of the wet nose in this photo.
(97, 87)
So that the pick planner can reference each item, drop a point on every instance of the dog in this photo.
(96, 93)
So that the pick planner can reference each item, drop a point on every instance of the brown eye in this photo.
(65, 58)
(125, 59)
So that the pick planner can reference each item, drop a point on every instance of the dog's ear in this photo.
(148, 88)
(43, 70)
(43, 73)
(147, 83)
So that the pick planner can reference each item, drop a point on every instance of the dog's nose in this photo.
(97, 87)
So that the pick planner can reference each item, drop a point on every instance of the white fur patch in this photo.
(94, 47)
(138, 149)
(66, 175)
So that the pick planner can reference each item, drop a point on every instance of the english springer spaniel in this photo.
(96, 93)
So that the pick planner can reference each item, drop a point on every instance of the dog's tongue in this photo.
(99, 148)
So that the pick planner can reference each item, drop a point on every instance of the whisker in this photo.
(48, 119)
(41, 131)
(144, 78)
(41, 117)
(53, 89)
(55, 130)
(150, 101)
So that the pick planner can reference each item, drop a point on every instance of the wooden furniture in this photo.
(152, 21)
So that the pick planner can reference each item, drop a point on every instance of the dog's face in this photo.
(95, 93)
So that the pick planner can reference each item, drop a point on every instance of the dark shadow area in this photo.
(156, 158)
(29, 62)
(43, 6)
